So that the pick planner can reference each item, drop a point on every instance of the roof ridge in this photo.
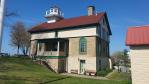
(139, 26)
(69, 22)
(76, 17)
(137, 36)
(85, 15)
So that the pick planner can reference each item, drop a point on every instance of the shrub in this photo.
(103, 72)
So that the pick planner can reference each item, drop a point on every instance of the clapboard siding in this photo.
(78, 32)
(45, 35)
(86, 31)
(140, 64)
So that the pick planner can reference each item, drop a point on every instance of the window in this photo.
(51, 10)
(51, 46)
(83, 45)
(55, 10)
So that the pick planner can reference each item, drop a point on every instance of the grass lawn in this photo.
(119, 76)
(19, 70)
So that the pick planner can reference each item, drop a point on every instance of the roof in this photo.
(70, 23)
(137, 36)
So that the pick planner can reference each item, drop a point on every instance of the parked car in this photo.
(4, 54)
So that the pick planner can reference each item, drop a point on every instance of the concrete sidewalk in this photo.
(85, 76)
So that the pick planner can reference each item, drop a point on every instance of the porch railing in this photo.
(50, 53)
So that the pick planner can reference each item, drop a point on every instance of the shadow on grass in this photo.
(25, 79)
(54, 80)
(16, 79)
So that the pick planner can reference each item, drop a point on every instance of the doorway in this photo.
(82, 66)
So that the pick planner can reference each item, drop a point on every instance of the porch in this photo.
(52, 47)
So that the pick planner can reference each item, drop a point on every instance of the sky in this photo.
(122, 14)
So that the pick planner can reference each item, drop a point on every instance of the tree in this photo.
(25, 42)
(120, 58)
(20, 38)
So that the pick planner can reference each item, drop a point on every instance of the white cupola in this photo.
(54, 14)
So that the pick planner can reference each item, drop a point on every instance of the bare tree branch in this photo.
(20, 38)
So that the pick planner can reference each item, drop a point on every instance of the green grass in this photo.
(104, 72)
(119, 76)
(19, 70)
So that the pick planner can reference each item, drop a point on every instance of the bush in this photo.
(103, 72)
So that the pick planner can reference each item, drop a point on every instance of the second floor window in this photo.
(83, 45)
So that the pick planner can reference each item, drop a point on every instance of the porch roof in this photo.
(59, 39)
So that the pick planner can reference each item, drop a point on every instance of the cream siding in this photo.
(75, 57)
(43, 35)
(74, 47)
(33, 47)
(140, 64)
(86, 31)
(74, 63)
(53, 63)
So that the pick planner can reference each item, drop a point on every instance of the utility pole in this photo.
(2, 7)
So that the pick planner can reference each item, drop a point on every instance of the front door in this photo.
(82, 66)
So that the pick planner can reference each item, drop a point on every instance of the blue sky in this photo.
(121, 14)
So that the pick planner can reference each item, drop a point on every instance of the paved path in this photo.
(85, 76)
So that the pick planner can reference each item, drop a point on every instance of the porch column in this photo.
(58, 43)
(37, 48)
(65, 49)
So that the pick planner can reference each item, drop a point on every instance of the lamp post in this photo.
(2, 6)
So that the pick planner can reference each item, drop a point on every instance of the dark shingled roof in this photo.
(69, 23)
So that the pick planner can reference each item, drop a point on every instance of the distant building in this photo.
(73, 45)
(138, 40)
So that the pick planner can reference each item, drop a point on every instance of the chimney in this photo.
(91, 10)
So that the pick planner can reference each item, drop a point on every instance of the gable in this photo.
(106, 25)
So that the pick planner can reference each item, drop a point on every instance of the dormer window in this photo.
(55, 10)
(51, 10)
